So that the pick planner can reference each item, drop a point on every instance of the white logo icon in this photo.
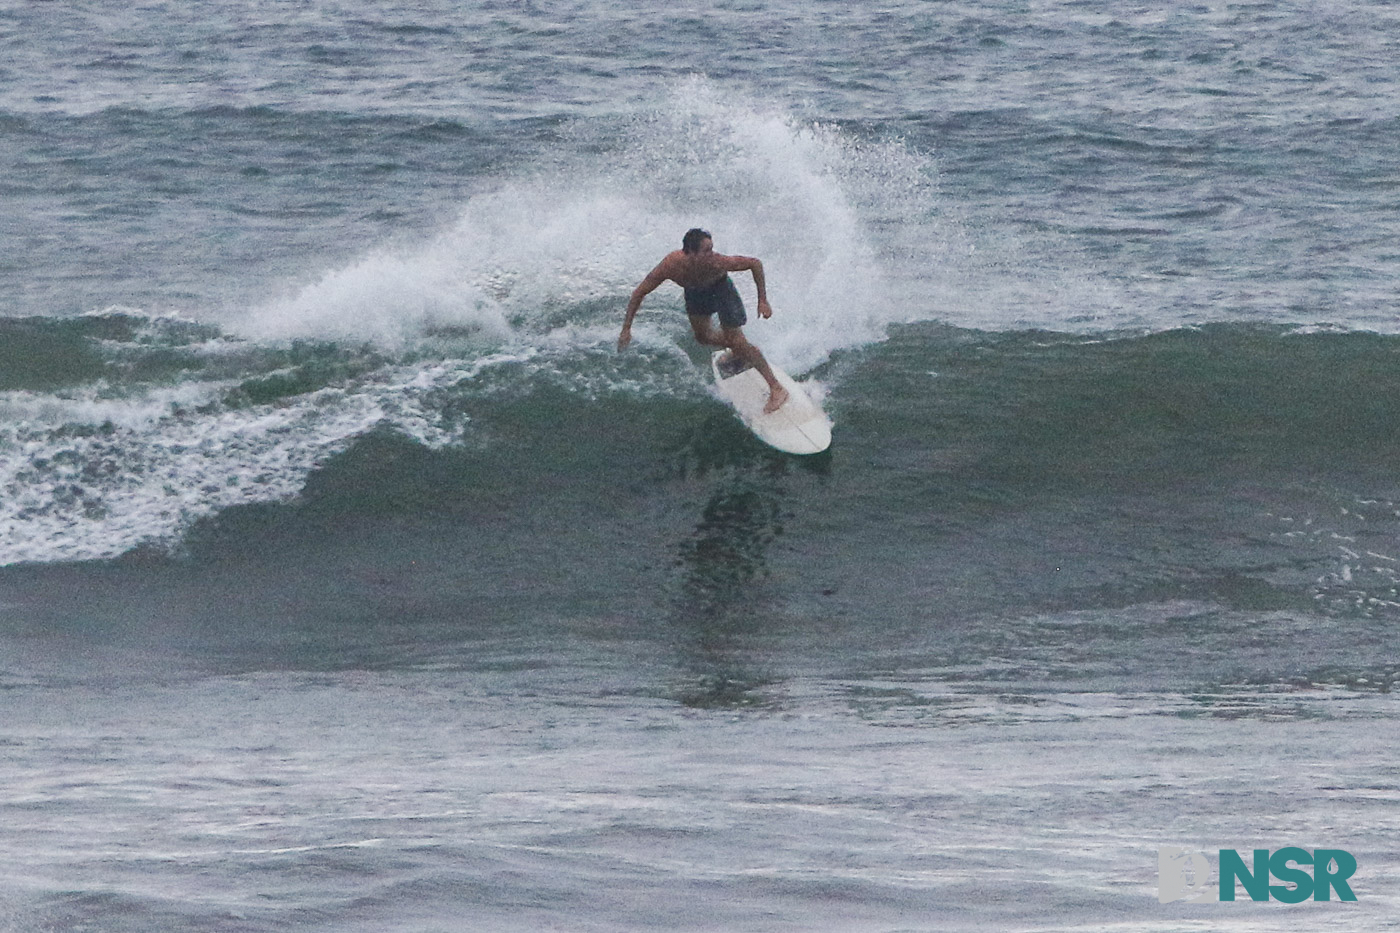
(1184, 875)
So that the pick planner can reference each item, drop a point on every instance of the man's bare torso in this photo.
(694, 271)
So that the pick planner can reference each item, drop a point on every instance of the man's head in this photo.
(696, 241)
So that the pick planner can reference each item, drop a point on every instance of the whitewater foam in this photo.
(88, 477)
(583, 226)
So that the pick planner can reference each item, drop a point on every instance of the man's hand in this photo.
(624, 339)
(764, 308)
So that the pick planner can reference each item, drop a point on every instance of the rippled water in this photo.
(350, 579)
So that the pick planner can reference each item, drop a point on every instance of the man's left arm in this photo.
(750, 264)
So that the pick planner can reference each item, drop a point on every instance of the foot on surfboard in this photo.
(730, 365)
(775, 400)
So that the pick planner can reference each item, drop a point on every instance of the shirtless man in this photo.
(704, 274)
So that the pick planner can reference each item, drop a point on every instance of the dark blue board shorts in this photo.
(722, 298)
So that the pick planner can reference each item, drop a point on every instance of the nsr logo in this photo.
(1185, 875)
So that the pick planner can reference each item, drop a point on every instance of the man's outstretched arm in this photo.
(648, 285)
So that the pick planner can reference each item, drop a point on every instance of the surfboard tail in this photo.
(727, 365)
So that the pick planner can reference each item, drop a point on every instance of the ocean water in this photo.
(351, 580)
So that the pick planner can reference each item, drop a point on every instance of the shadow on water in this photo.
(718, 609)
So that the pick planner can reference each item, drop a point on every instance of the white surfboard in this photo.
(798, 427)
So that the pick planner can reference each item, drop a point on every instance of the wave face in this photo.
(229, 377)
(1203, 454)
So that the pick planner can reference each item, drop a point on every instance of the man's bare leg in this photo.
(733, 339)
(705, 333)
(738, 344)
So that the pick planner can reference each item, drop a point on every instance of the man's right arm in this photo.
(648, 285)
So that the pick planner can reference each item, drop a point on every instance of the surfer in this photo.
(704, 275)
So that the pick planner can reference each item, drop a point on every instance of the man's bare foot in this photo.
(775, 400)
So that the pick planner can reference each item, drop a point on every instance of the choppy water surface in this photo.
(352, 580)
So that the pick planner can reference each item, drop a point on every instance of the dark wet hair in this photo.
(690, 243)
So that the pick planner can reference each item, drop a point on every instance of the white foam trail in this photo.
(585, 227)
(387, 298)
